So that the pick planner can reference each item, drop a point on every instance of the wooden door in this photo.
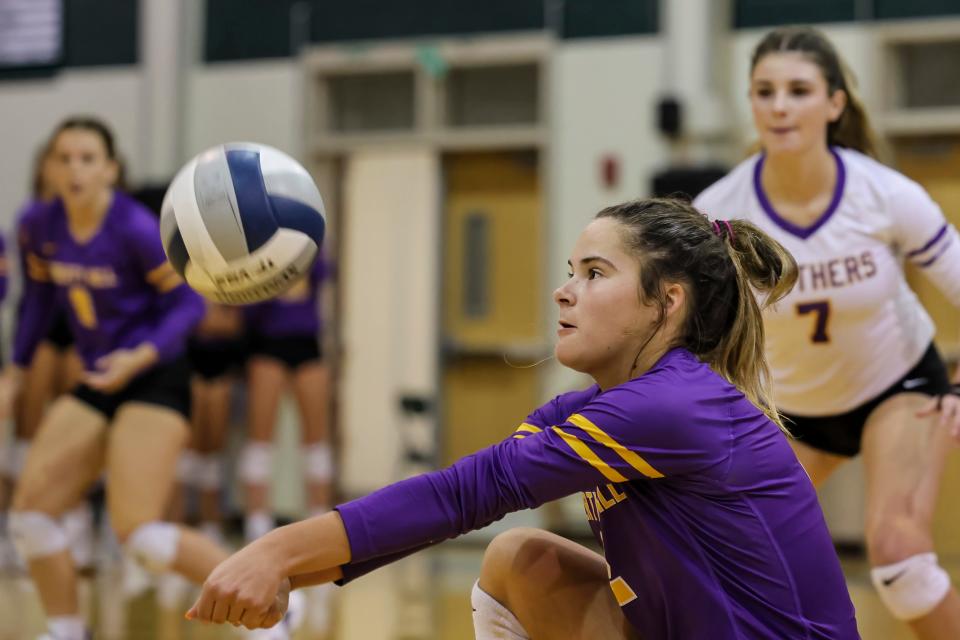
(492, 296)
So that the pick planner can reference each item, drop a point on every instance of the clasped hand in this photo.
(246, 590)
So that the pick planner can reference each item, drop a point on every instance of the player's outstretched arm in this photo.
(250, 587)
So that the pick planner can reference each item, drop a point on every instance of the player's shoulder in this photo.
(34, 212)
(36, 219)
(134, 220)
(561, 406)
(729, 192)
(872, 177)
(667, 394)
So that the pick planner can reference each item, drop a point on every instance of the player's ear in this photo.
(113, 172)
(838, 102)
(676, 298)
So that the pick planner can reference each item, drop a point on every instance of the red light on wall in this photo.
(609, 171)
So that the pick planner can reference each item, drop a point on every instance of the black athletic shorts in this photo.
(292, 351)
(60, 335)
(165, 385)
(213, 360)
(841, 434)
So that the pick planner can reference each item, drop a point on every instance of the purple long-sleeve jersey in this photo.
(709, 525)
(117, 287)
(294, 313)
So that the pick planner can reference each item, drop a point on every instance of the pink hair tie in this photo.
(729, 229)
(716, 228)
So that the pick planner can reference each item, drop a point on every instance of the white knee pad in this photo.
(154, 545)
(911, 588)
(209, 472)
(318, 462)
(255, 463)
(35, 534)
(187, 466)
(492, 620)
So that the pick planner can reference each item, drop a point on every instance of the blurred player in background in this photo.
(217, 352)
(97, 253)
(285, 353)
(851, 348)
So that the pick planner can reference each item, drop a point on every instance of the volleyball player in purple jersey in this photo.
(285, 351)
(851, 349)
(98, 254)
(710, 527)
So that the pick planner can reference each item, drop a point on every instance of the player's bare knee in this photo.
(27, 496)
(500, 558)
(896, 539)
(509, 559)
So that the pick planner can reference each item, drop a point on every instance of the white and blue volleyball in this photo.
(242, 222)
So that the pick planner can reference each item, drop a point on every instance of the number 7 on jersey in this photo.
(822, 309)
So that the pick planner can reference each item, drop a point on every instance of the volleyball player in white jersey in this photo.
(850, 349)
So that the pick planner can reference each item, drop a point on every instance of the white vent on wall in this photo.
(918, 74)
(928, 74)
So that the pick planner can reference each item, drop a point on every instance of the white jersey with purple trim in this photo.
(852, 326)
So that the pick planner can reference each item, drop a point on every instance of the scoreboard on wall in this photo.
(31, 33)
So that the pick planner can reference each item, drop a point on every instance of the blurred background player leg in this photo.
(216, 354)
(54, 370)
(904, 459)
(71, 437)
(311, 383)
(266, 381)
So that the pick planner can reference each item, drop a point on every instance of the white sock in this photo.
(492, 620)
(67, 627)
(257, 525)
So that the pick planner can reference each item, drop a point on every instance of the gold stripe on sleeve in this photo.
(628, 456)
(37, 268)
(526, 426)
(171, 282)
(158, 274)
(584, 452)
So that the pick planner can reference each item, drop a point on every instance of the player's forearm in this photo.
(184, 310)
(310, 546)
(315, 578)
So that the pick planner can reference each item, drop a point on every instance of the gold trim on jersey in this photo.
(37, 267)
(164, 278)
(587, 454)
(622, 591)
(526, 426)
(630, 457)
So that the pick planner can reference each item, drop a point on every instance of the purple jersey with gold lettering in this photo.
(709, 525)
(117, 287)
(294, 313)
